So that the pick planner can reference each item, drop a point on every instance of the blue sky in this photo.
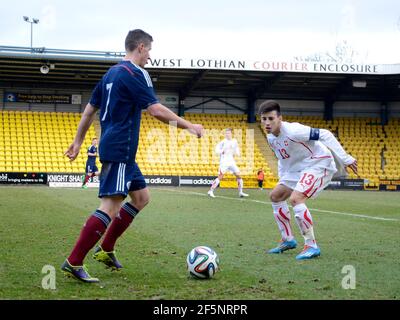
(249, 29)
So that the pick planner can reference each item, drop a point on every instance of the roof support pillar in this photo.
(181, 105)
(328, 109)
(384, 113)
(251, 107)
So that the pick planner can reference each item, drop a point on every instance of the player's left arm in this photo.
(145, 95)
(84, 125)
(329, 140)
(165, 115)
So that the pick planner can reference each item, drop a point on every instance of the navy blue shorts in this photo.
(91, 168)
(120, 178)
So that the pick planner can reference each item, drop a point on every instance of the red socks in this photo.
(90, 234)
(120, 223)
(95, 227)
(86, 179)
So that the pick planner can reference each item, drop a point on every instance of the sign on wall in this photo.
(22, 178)
(272, 65)
(40, 98)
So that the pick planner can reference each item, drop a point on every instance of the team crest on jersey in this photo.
(286, 143)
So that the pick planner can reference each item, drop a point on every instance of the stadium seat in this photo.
(189, 156)
(35, 141)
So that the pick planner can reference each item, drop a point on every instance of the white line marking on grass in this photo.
(268, 202)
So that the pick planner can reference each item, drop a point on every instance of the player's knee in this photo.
(140, 202)
(145, 201)
(276, 196)
(111, 208)
(294, 201)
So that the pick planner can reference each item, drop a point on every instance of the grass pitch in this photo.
(39, 226)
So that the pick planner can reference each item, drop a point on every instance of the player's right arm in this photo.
(280, 169)
(165, 115)
(84, 125)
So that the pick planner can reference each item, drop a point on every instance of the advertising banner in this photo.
(70, 180)
(162, 180)
(195, 181)
(22, 178)
(353, 184)
(75, 180)
(389, 185)
(37, 98)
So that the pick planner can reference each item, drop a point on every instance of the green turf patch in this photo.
(40, 225)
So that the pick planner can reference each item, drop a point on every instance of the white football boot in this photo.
(211, 193)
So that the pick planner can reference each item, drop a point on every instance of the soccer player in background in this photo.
(121, 95)
(91, 168)
(227, 149)
(307, 159)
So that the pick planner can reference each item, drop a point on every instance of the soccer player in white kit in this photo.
(227, 149)
(308, 158)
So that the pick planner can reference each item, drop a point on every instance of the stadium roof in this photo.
(20, 67)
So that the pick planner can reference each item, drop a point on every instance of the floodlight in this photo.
(359, 83)
(44, 69)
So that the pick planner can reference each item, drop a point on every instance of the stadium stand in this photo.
(36, 141)
(196, 157)
(391, 151)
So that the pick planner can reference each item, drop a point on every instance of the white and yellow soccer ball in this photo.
(202, 262)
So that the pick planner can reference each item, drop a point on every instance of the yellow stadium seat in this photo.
(36, 141)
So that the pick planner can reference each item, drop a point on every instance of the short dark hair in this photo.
(268, 106)
(135, 38)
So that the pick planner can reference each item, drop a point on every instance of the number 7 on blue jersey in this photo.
(108, 88)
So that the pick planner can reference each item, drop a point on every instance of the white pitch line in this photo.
(267, 202)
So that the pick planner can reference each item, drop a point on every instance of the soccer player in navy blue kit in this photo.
(91, 168)
(121, 95)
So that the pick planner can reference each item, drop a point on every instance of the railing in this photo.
(31, 52)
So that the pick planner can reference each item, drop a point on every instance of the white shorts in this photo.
(232, 167)
(309, 182)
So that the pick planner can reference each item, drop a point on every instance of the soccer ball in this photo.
(202, 262)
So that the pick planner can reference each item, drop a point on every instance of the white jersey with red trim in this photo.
(296, 152)
(227, 149)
